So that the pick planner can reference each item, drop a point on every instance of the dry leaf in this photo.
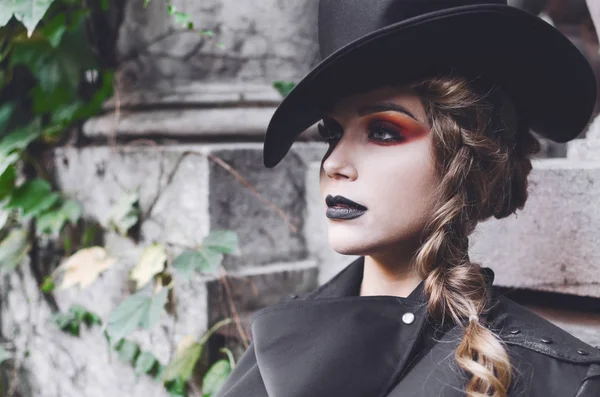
(84, 267)
(151, 263)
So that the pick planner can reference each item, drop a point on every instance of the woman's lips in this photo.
(343, 212)
(340, 207)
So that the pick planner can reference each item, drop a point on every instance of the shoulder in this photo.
(546, 357)
(518, 326)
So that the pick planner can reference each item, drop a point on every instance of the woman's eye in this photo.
(326, 134)
(382, 133)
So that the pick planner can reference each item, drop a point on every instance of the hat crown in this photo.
(343, 21)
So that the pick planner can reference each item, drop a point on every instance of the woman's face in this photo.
(379, 156)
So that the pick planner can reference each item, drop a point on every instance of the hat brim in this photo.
(548, 78)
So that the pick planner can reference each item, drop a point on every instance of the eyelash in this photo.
(327, 136)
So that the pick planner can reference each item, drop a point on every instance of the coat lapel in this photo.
(336, 343)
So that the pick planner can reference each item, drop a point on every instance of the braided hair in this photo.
(482, 154)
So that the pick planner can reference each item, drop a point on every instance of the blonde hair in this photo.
(482, 154)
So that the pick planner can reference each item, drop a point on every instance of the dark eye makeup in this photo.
(378, 131)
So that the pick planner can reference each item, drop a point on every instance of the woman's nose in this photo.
(339, 160)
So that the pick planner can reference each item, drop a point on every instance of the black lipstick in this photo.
(340, 207)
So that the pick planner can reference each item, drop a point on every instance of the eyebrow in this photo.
(384, 107)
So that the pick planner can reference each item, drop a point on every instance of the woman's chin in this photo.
(347, 243)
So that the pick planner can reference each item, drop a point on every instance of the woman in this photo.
(427, 107)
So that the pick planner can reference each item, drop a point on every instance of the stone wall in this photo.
(181, 100)
(261, 42)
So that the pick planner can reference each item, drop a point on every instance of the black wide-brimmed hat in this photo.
(366, 43)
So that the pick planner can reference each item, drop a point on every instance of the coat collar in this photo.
(348, 281)
(335, 342)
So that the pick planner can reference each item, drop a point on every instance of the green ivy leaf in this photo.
(13, 249)
(206, 260)
(128, 350)
(73, 328)
(176, 388)
(215, 377)
(144, 363)
(78, 312)
(90, 319)
(71, 321)
(209, 257)
(6, 112)
(47, 285)
(56, 67)
(7, 181)
(67, 113)
(124, 214)
(4, 53)
(55, 29)
(284, 87)
(207, 33)
(7, 162)
(225, 241)
(182, 365)
(50, 102)
(19, 139)
(4, 355)
(62, 320)
(89, 235)
(155, 309)
(52, 222)
(29, 12)
(182, 19)
(33, 197)
(138, 310)
(158, 373)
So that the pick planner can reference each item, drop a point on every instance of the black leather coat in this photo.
(333, 342)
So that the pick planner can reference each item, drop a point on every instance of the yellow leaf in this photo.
(151, 263)
(84, 267)
(185, 343)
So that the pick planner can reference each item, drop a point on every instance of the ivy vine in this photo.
(51, 80)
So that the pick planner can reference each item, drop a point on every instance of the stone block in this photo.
(240, 123)
(587, 149)
(200, 94)
(184, 194)
(265, 236)
(200, 110)
(254, 288)
(553, 244)
(172, 185)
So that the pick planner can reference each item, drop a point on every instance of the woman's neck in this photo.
(382, 277)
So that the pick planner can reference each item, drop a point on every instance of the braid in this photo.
(483, 172)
